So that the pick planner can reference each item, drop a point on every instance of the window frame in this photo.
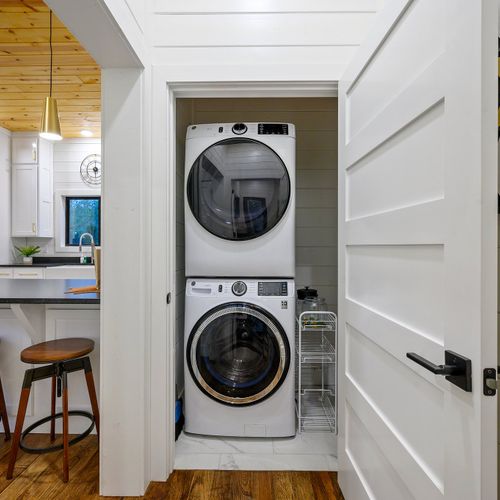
(67, 200)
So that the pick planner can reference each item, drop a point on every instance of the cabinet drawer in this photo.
(32, 273)
(70, 272)
(6, 272)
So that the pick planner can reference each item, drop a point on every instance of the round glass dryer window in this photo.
(238, 189)
(238, 354)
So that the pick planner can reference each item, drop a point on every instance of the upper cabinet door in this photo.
(417, 253)
(24, 150)
(24, 200)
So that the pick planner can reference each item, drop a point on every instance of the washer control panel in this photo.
(244, 288)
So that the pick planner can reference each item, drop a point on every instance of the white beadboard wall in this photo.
(5, 169)
(68, 155)
(316, 216)
(312, 37)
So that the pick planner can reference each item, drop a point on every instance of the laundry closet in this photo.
(311, 124)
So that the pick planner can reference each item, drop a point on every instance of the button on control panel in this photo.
(273, 288)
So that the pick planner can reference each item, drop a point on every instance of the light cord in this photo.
(50, 44)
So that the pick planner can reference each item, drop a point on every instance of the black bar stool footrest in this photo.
(57, 447)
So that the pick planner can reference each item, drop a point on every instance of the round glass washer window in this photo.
(238, 189)
(238, 354)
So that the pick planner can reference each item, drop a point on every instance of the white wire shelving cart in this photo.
(316, 364)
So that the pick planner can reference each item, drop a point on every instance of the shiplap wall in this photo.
(311, 37)
(5, 166)
(68, 155)
(316, 216)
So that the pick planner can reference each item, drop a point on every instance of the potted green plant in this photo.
(27, 252)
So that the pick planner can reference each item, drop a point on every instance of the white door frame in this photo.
(109, 33)
(167, 87)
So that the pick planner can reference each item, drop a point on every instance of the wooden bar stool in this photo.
(65, 356)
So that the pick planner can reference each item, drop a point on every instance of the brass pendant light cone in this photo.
(50, 128)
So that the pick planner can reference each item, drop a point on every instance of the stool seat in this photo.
(57, 350)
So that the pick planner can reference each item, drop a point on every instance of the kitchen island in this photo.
(36, 310)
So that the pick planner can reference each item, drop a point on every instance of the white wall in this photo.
(5, 169)
(316, 215)
(68, 155)
(258, 39)
(184, 116)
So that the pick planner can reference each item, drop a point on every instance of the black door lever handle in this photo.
(428, 365)
(457, 368)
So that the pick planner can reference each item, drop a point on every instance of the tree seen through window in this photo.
(83, 215)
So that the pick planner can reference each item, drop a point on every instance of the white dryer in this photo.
(240, 200)
(239, 357)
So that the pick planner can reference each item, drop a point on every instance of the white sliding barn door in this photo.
(417, 253)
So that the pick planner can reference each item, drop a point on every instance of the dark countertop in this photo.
(20, 264)
(42, 291)
(49, 262)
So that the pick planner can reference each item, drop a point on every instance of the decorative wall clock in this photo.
(91, 169)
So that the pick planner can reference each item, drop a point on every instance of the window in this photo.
(83, 215)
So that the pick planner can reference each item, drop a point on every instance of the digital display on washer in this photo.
(273, 288)
(273, 128)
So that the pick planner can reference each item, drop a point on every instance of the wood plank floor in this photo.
(40, 477)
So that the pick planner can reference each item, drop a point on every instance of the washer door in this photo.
(238, 354)
(238, 189)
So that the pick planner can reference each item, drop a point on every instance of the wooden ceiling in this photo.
(24, 71)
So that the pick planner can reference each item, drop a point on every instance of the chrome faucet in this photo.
(92, 244)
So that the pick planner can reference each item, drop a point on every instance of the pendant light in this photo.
(50, 128)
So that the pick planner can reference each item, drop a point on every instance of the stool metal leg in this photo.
(3, 414)
(65, 428)
(92, 394)
(21, 413)
(53, 410)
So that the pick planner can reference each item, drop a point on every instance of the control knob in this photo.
(239, 288)
(239, 128)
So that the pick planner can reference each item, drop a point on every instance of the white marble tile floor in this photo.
(307, 451)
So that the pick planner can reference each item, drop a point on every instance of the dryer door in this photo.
(238, 189)
(238, 354)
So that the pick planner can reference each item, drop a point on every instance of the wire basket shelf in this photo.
(313, 321)
(316, 349)
(318, 411)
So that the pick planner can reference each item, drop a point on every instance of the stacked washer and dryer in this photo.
(240, 291)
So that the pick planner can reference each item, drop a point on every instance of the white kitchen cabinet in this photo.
(32, 187)
(25, 149)
(28, 273)
(6, 272)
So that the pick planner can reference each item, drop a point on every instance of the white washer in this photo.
(239, 357)
(240, 200)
